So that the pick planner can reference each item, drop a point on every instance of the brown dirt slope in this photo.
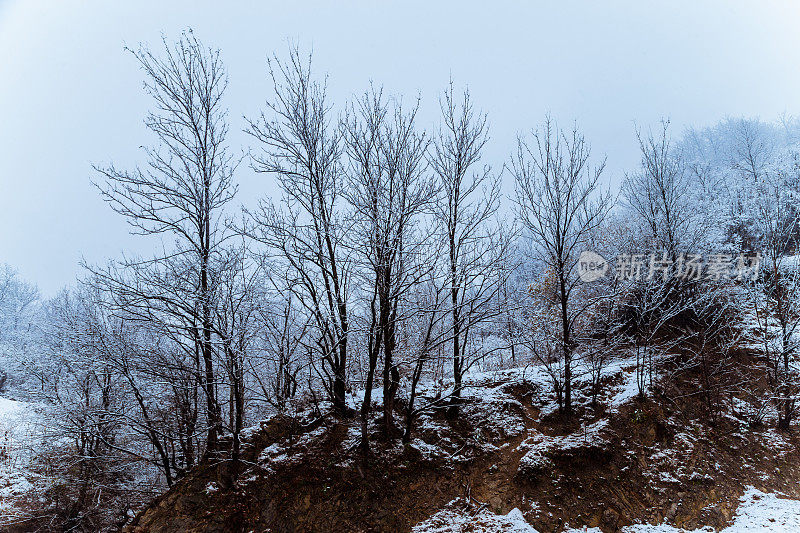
(647, 461)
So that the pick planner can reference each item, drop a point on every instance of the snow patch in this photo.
(757, 512)
(451, 519)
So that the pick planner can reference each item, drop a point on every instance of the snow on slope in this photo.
(757, 512)
(453, 520)
(19, 431)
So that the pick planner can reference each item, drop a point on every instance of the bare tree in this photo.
(277, 365)
(238, 327)
(660, 194)
(301, 148)
(87, 394)
(118, 420)
(661, 198)
(178, 196)
(388, 190)
(18, 301)
(705, 344)
(160, 381)
(776, 293)
(470, 199)
(427, 305)
(752, 152)
(559, 203)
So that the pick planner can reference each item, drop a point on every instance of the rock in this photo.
(497, 503)
(534, 465)
(610, 518)
(672, 511)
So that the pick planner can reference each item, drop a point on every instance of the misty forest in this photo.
(401, 334)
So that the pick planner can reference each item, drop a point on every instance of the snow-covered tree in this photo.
(560, 204)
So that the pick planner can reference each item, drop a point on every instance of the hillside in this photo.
(625, 461)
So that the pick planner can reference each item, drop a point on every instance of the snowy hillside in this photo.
(21, 433)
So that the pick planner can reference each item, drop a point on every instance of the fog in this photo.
(70, 95)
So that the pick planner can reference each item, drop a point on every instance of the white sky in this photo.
(70, 96)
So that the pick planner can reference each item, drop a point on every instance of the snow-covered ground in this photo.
(19, 432)
(757, 512)
(452, 520)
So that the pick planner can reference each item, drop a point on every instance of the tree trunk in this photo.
(567, 348)
(458, 363)
(391, 375)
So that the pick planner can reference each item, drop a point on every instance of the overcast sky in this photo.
(70, 96)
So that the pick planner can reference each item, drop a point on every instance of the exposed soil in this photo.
(657, 460)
